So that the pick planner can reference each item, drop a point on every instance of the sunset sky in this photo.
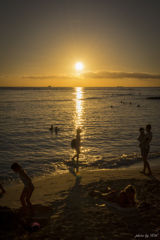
(117, 41)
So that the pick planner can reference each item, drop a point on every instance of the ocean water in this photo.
(109, 118)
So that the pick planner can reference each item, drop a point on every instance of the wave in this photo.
(61, 166)
(124, 160)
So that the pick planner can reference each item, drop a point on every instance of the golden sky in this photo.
(116, 41)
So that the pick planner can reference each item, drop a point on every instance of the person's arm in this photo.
(146, 138)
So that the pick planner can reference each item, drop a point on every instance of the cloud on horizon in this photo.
(107, 74)
(97, 74)
(58, 76)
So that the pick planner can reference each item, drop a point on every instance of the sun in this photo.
(79, 66)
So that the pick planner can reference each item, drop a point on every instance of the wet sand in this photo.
(65, 210)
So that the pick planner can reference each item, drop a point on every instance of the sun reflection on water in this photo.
(79, 107)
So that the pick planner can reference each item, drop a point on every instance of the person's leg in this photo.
(74, 157)
(146, 164)
(1, 187)
(95, 193)
(143, 159)
(28, 196)
(23, 195)
(108, 189)
(148, 167)
(77, 162)
(77, 155)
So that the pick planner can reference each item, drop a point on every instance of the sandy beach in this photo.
(65, 210)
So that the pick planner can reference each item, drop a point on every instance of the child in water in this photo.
(141, 136)
(28, 189)
(51, 128)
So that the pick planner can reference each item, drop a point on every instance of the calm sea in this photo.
(109, 118)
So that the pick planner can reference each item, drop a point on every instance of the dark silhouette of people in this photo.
(77, 145)
(51, 128)
(56, 130)
(145, 140)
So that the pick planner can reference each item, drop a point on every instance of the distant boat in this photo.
(49, 86)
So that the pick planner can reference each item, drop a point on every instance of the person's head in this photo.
(148, 128)
(141, 130)
(15, 167)
(131, 191)
(79, 130)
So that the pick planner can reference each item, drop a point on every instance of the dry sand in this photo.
(66, 211)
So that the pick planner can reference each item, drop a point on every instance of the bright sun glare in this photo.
(79, 66)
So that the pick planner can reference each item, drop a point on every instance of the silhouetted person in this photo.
(51, 128)
(28, 187)
(77, 145)
(56, 130)
(145, 147)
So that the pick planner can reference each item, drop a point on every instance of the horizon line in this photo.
(79, 86)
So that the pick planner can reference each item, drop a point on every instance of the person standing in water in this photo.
(145, 147)
(77, 145)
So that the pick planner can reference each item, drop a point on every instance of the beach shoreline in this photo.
(63, 201)
(154, 163)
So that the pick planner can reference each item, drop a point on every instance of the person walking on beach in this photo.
(77, 146)
(145, 147)
(3, 191)
(28, 189)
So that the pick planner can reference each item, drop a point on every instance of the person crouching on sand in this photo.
(145, 147)
(125, 198)
(28, 189)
